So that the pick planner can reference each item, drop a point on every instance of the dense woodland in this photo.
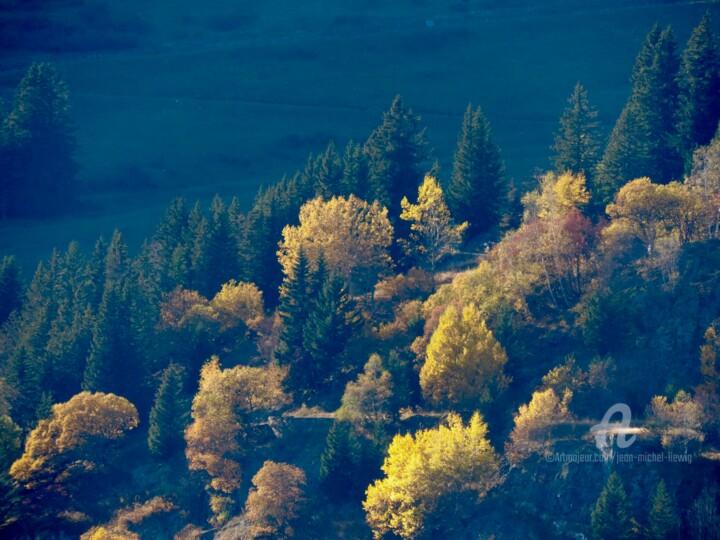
(380, 348)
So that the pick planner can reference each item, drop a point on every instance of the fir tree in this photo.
(11, 288)
(39, 144)
(643, 140)
(612, 516)
(340, 460)
(169, 414)
(395, 152)
(220, 260)
(355, 173)
(325, 172)
(578, 142)
(700, 91)
(330, 324)
(663, 520)
(293, 312)
(476, 189)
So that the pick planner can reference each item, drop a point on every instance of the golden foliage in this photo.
(352, 235)
(118, 528)
(273, 503)
(556, 196)
(434, 234)
(422, 470)
(73, 424)
(534, 422)
(224, 400)
(238, 302)
(464, 361)
(679, 423)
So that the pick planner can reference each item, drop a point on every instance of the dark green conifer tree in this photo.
(355, 173)
(38, 142)
(477, 189)
(612, 516)
(396, 151)
(11, 288)
(96, 272)
(169, 414)
(293, 311)
(643, 142)
(10, 450)
(699, 91)
(662, 519)
(329, 326)
(325, 172)
(340, 461)
(577, 144)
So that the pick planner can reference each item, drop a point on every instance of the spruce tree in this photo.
(577, 144)
(395, 153)
(663, 520)
(169, 414)
(11, 288)
(325, 172)
(330, 324)
(40, 145)
(340, 461)
(293, 312)
(643, 142)
(355, 173)
(476, 190)
(221, 260)
(612, 516)
(699, 91)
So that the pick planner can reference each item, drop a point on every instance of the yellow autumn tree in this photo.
(425, 475)
(433, 235)
(352, 236)
(556, 195)
(73, 434)
(680, 422)
(238, 303)
(221, 410)
(464, 364)
(273, 503)
(534, 423)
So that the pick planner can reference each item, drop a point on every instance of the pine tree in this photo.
(325, 172)
(11, 288)
(643, 140)
(170, 413)
(331, 323)
(39, 143)
(663, 520)
(612, 516)
(355, 173)
(340, 461)
(221, 261)
(476, 189)
(700, 91)
(577, 144)
(395, 152)
(293, 310)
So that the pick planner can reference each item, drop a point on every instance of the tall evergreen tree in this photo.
(170, 413)
(577, 144)
(663, 520)
(293, 311)
(612, 516)
(476, 190)
(325, 172)
(331, 323)
(355, 173)
(11, 288)
(221, 259)
(643, 140)
(699, 91)
(39, 145)
(340, 460)
(395, 152)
